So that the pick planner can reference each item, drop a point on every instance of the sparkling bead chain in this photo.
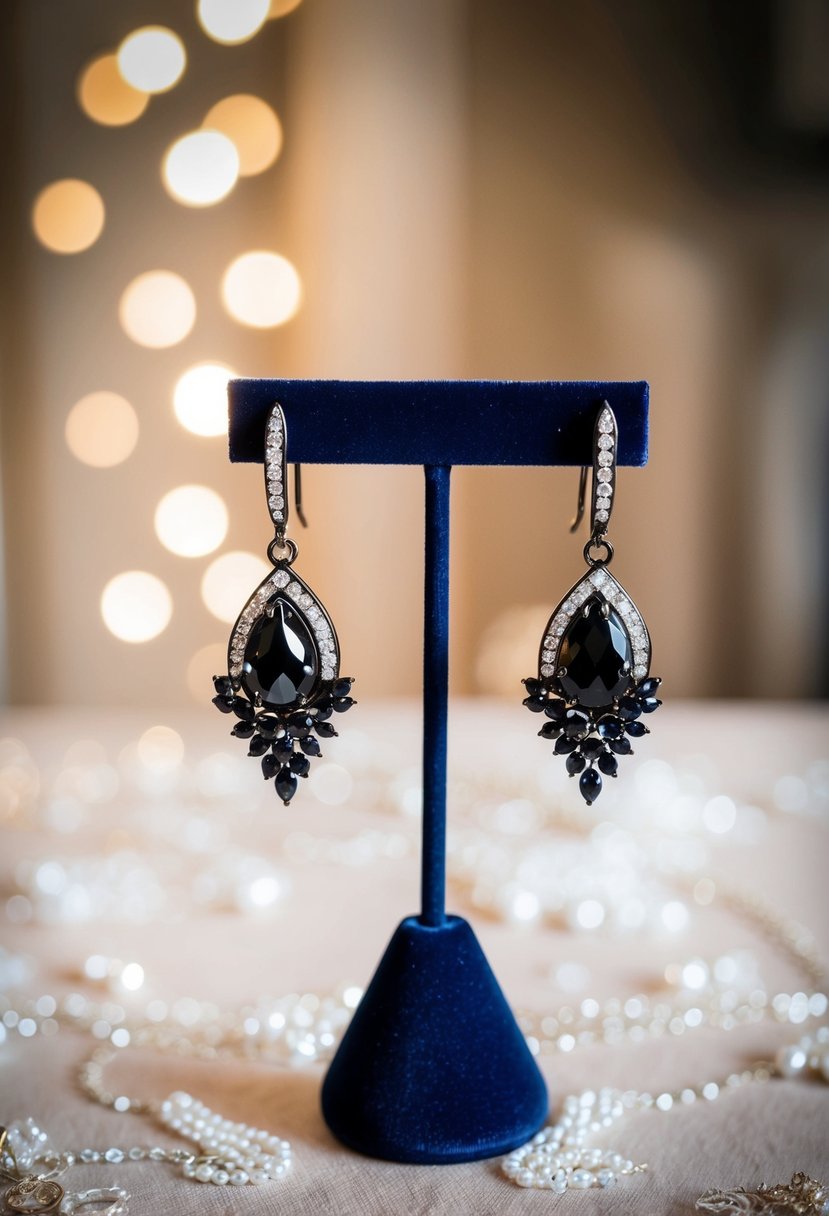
(559, 1157)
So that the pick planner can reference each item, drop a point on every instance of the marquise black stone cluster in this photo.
(285, 741)
(592, 737)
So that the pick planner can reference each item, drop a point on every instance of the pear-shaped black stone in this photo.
(608, 764)
(592, 748)
(590, 785)
(285, 785)
(281, 663)
(596, 653)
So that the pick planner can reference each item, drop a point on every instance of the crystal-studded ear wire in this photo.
(283, 681)
(593, 670)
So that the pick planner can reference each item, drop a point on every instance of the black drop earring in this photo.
(283, 681)
(594, 683)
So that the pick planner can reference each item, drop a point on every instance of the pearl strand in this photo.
(238, 1154)
(234, 1153)
(558, 1157)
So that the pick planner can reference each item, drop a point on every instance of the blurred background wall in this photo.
(525, 190)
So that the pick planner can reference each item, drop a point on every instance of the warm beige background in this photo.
(533, 190)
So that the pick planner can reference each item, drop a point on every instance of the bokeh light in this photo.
(191, 520)
(280, 8)
(157, 309)
(230, 580)
(201, 168)
(160, 748)
(136, 606)
(152, 59)
(68, 216)
(101, 429)
(105, 96)
(200, 398)
(207, 662)
(232, 21)
(261, 289)
(254, 128)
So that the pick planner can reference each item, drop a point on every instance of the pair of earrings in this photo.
(594, 685)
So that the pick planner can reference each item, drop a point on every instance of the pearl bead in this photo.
(258, 1177)
(204, 1173)
(220, 1177)
(580, 1179)
(238, 1178)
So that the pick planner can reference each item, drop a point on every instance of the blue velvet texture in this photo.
(477, 422)
(433, 1068)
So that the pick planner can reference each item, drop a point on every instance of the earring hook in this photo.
(300, 512)
(605, 440)
(579, 516)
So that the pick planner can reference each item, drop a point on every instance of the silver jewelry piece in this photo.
(283, 681)
(593, 679)
(803, 1196)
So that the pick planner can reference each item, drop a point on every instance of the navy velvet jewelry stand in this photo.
(433, 1067)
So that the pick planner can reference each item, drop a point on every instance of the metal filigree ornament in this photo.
(803, 1196)
(594, 683)
(283, 681)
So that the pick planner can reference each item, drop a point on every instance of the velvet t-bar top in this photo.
(438, 422)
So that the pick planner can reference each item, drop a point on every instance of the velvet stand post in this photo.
(433, 1067)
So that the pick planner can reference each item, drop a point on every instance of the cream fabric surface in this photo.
(333, 924)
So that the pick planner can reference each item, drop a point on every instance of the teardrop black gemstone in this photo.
(564, 745)
(325, 730)
(551, 730)
(301, 725)
(285, 785)
(270, 766)
(258, 746)
(609, 727)
(597, 655)
(636, 729)
(576, 724)
(281, 661)
(300, 764)
(592, 748)
(590, 785)
(283, 749)
(608, 764)
(575, 763)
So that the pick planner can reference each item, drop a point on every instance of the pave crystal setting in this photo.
(283, 682)
(283, 659)
(593, 681)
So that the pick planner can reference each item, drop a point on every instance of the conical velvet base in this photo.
(433, 1068)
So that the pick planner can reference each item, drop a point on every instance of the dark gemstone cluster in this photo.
(592, 736)
(285, 740)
